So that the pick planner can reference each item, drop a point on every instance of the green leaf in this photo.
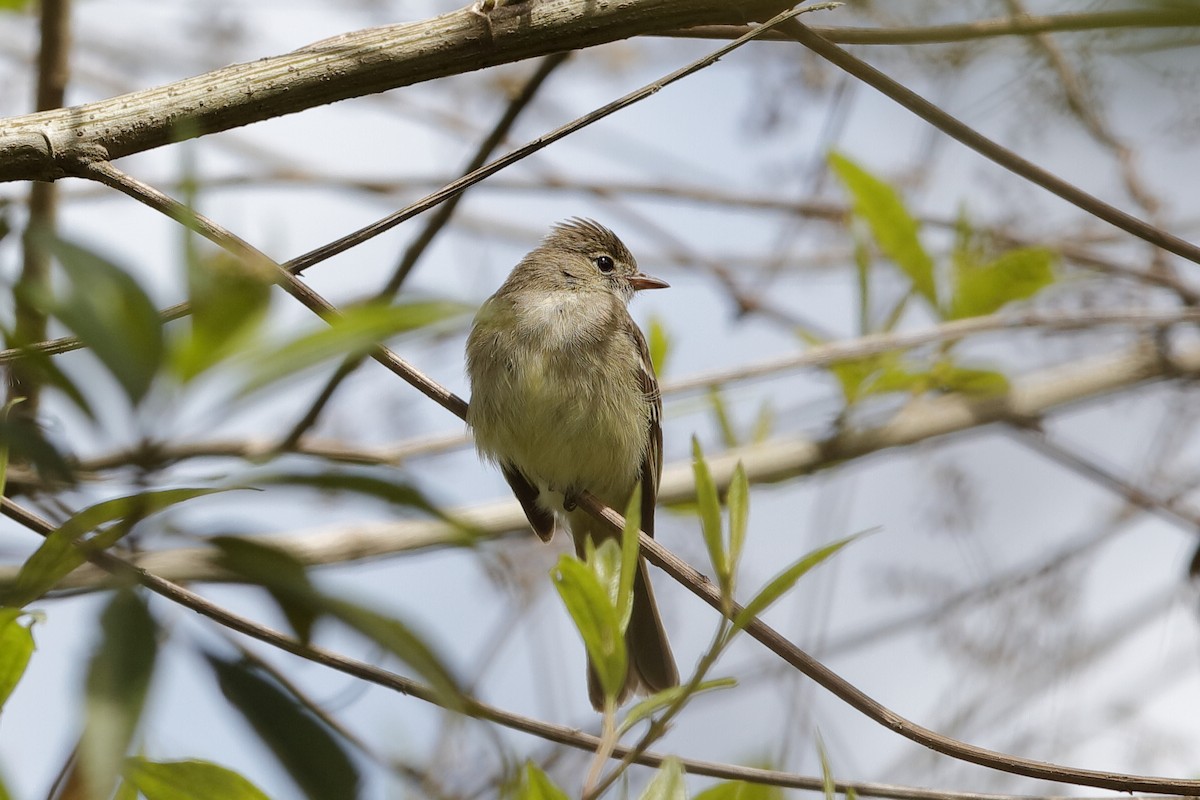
(117, 682)
(15, 5)
(1015, 275)
(354, 333)
(4, 443)
(111, 314)
(283, 576)
(395, 492)
(535, 785)
(61, 551)
(229, 300)
(189, 780)
(16, 648)
(894, 229)
(668, 783)
(741, 790)
(764, 423)
(949, 377)
(729, 436)
(400, 641)
(27, 444)
(659, 344)
(710, 514)
(827, 783)
(660, 700)
(738, 501)
(286, 580)
(595, 618)
(305, 746)
(784, 581)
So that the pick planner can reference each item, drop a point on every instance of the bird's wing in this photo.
(539, 518)
(653, 461)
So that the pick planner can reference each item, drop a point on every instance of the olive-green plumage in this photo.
(564, 399)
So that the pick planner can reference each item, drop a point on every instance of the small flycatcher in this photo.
(564, 399)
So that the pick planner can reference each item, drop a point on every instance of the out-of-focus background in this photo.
(1026, 588)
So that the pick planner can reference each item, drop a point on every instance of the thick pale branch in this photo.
(52, 144)
(774, 461)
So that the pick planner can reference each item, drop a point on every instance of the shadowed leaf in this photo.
(784, 581)
(304, 745)
(110, 313)
(117, 682)
(595, 618)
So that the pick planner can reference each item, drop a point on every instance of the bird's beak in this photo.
(644, 281)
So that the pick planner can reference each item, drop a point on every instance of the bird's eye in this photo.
(606, 264)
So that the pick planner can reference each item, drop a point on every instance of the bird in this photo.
(564, 399)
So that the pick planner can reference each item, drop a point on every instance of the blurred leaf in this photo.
(60, 552)
(894, 229)
(668, 783)
(125, 791)
(26, 444)
(535, 785)
(862, 272)
(738, 501)
(45, 372)
(986, 288)
(286, 580)
(397, 639)
(110, 313)
(710, 514)
(355, 332)
(764, 423)
(189, 780)
(660, 700)
(729, 436)
(283, 576)
(741, 790)
(229, 300)
(949, 377)
(395, 492)
(828, 786)
(304, 745)
(659, 344)
(784, 581)
(117, 682)
(587, 602)
(15, 5)
(875, 375)
(4, 443)
(16, 648)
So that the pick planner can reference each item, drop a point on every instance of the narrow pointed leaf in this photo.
(283, 576)
(16, 648)
(588, 603)
(660, 700)
(188, 780)
(710, 513)
(353, 333)
(668, 783)
(60, 552)
(729, 437)
(784, 581)
(892, 226)
(117, 681)
(304, 746)
(738, 501)
(229, 299)
(536, 785)
(629, 556)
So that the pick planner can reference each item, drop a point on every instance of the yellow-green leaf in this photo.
(986, 288)
(535, 785)
(189, 780)
(892, 226)
(16, 648)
